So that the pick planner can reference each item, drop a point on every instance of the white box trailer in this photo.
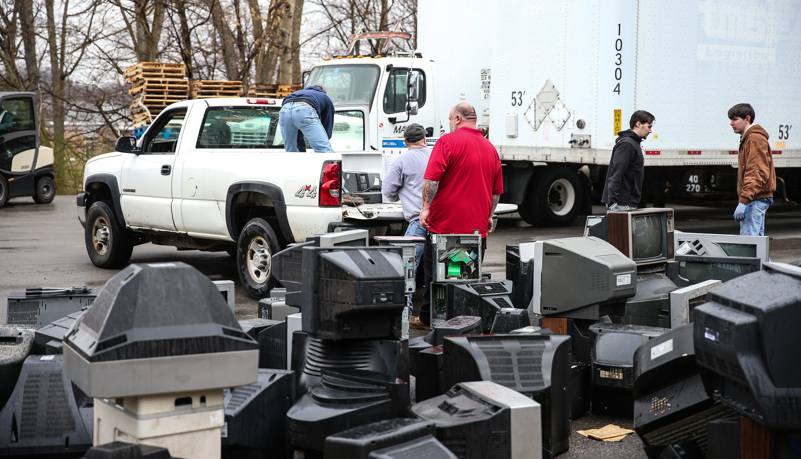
(554, 81)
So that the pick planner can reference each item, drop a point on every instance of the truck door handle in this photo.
(165, 169)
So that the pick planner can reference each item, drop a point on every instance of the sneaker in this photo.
(417, 324)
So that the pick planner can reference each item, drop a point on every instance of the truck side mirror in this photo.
(411, 108)
(125, 144)
(413, 87)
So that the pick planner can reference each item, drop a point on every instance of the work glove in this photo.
(739, 212)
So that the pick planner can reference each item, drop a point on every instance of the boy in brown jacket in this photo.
(756, 177)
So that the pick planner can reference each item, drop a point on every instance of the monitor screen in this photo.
(699, 268)
(647, 236)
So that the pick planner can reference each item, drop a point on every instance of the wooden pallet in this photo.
(271, 91)
(215, 88)
(153, 70)
(287, 89)
(171, 86)
(141, 119)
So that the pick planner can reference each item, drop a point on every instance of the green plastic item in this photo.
(454, 269)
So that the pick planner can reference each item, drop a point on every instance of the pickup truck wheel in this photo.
(108, 244)
(3, 191)
(45, 190)
(555, 196)
(256, 245)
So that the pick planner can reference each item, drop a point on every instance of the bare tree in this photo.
(10, 46)
(335, 22)
(71, 31)
(143, 21)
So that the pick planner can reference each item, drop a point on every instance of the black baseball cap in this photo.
(414, 133)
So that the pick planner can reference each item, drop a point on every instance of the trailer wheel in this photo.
(108, 244)
(3, 191)
(526, 212)
(555, 196)
(45, 190)
(256, 245)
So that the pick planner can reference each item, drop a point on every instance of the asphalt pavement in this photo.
(43, 246)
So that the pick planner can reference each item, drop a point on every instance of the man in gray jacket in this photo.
(404, 180)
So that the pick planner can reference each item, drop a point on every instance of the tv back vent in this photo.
(745, 339)
(359, 442)
(255, 416)
(16, 343)
(37, 307)
(345, 399)
(422, 448)
(46, 414)
(312, 356)
(518, 362)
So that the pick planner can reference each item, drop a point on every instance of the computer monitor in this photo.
(580, 277)
(694, 268)
(287, 265)
(345, 399)
(670, 403)
(481, 419)
(349, 238)
(644, 235)
(352, 292)
(311, 357)
(536, 365)
(255, 416)
(746, 337)
(722, 245)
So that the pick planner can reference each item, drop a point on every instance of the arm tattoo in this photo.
(429, 191)
(495, 199)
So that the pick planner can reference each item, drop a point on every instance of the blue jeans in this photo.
(300, 116)
(754, 222)
(414, 229)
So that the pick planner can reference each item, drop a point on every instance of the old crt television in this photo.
(746, 342)
(670, 403)
(537, 366)
(287, 265)
(644, 235)
(482, 419)
(353, 292)
(580, 278)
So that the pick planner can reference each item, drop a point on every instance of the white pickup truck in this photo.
(212, 174)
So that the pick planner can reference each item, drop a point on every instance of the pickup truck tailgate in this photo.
(394, 211)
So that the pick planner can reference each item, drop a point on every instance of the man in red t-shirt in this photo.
(461, 187)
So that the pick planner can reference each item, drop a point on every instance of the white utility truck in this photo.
(554, 82)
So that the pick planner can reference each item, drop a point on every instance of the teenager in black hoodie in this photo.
(623, 186)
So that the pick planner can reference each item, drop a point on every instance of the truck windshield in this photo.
(347, 84)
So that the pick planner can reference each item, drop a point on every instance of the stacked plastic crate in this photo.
(154, 85)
